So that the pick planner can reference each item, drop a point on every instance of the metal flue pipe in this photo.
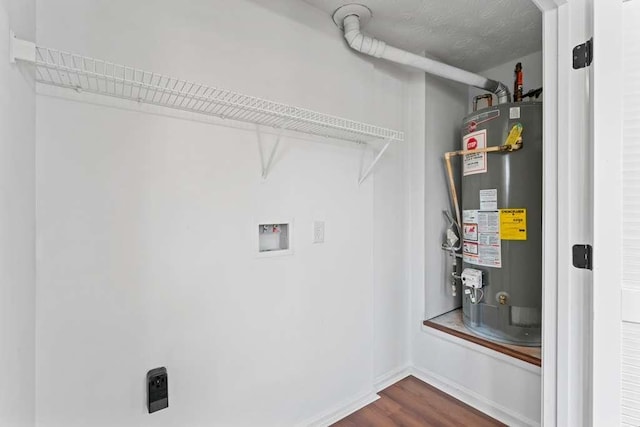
(349, 17)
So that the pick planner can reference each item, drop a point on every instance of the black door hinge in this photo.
(583, 256)
(583, 54)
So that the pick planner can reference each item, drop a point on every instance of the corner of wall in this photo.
(474, 377)
(17, 222)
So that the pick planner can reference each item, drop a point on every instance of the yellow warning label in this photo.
(513, 224)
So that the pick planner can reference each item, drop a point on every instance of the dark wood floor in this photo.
(413, 403)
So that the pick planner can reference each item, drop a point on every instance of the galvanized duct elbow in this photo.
(349, 17)
(500, 90)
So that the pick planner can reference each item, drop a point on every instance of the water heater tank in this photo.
(502, 224)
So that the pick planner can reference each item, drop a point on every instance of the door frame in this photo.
(600, 404)
(555, 105)
(559, 388)
(607, 90)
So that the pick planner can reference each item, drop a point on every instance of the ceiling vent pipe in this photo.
(351, 16)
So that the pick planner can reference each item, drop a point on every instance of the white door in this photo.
(614, 236)
(597, 321)
(575, 222)
(630, 310)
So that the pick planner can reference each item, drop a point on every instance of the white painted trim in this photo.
(547, 5)
(574, 225)
(339, 411)
(391, 377)
(483, 350)
(630, 303)
(561, 344)
(607, 129)
(550, 217)
(471, 398)
(443, 384)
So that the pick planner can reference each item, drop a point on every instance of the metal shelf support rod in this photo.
(375, 161)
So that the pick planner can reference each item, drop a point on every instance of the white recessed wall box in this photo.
(274, 238)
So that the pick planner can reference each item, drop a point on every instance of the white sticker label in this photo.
(481, 233)
(489, 239)
(474, 163)
(490, 256)
(470, 216)
(489, 222)
(488, 200)
(514, 112)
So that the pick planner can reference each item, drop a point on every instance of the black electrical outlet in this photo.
(157, 390)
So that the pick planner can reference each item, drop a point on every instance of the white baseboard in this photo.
(474, 399)
(391, 377)
(339, 412)
(461, 393)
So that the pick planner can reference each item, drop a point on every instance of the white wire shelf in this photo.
(85, 74)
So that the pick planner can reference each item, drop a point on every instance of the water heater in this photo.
(501, 226)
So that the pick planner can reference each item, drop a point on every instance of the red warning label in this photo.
(470, 232)
(475, 163)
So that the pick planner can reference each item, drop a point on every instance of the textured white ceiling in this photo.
(472, 34)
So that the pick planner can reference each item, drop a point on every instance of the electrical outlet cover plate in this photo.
(157, 390)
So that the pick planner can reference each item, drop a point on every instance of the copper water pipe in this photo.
(509, 147)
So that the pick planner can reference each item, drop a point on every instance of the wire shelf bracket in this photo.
(367, 172)
(21, 50)
(266, 167)
(85, 74)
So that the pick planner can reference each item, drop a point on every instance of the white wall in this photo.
(531, 67)
(17, 223)
(145, 245)
(445, 106)
(145, 240)
(390, 206)
(498, 385)
(505, 388)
